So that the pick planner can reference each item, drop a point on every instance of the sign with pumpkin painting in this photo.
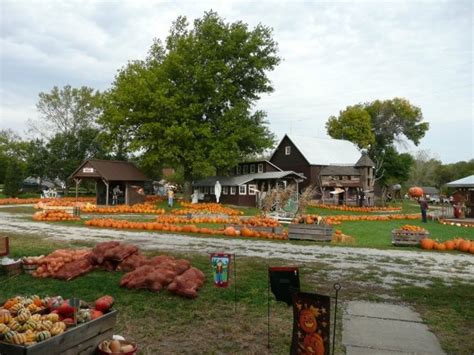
(311, 325)
(220, 269)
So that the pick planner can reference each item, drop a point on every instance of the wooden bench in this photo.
(314, 232)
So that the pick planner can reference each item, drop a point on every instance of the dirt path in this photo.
(389, 265)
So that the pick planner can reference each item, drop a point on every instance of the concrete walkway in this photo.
(379, 328)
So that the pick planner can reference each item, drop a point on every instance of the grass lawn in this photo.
(165, 323)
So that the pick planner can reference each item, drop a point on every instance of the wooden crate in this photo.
(314, 232)
(73, 211)
(82, 339)
(276, 230)
(407, 238)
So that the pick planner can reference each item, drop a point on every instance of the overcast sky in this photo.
(335, 54)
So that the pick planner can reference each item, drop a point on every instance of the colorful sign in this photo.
(284, 281)
(311, 324)
(220, 264)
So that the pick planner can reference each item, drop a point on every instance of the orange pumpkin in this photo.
(449, 244)
(427, 243)
(440, 246)
(464, 246)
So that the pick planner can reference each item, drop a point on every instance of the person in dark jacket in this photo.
(424, 208)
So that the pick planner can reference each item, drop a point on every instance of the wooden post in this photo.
(78, 181)
(106, 192)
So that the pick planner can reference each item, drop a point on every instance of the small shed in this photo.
(465, 188)
(117, 182)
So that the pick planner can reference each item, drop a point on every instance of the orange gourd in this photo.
(464, 246)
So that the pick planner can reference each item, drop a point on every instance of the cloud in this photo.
(334, 55)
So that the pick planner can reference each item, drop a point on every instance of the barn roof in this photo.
(237, 180)
(326, 151)
(365, 161)
(468, 181)
(110, 170)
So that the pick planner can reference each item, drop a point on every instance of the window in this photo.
(238, 170)
(206, 189)
(232, 190)
(211, 190)
(243, 190)
(252, 169)
(260, 168)
(245, 169)
(252, 189)
(287, 150)
(225, 190)
(201, 189)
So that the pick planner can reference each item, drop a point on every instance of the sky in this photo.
(334, 54)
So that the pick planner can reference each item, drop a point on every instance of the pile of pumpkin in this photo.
(64, 201)
(138, 208)
(22, 321)
(251, 221)
(308, 219)
(334, 220)
(189, 228)
(50, 265)
(18, 201)
(463, 245)
(54, 215)
(412, 228)
(355, 209)
(206, 208)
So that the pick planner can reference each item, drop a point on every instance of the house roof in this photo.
(326, 151)
(259, 162)
(237, 180)
(365, 161)
(339, 170)
(110, 170)
(468, 181)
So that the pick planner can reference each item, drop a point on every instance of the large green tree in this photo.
(68, 124)
(11, 147)
(190, 103)
(391, 121)
(352, 124)
(66, 110)
(14, 175)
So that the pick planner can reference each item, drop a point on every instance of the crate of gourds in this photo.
(32, 325)
(409, 235)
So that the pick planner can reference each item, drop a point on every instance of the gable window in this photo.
(238, 170)
(287, 150)
(252, 189)
(243, 190)
(232, 190)
(260, 168)
(225, 190)
(252, 169)
(245, 169)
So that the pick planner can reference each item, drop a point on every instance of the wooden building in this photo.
(110, 174)
(333, 165)
(245, 189)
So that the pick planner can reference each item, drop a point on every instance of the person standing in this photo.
(424, 208)
(170, 197)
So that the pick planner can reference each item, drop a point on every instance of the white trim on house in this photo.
(233, 190)
(242, 189)
(252, 189)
